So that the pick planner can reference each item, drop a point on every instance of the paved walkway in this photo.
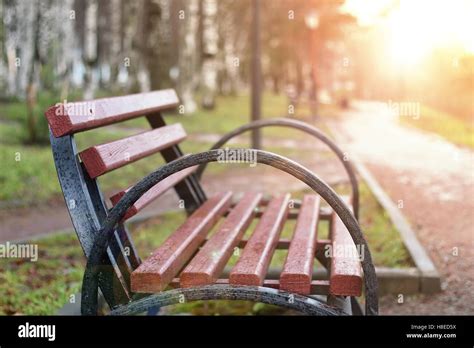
(434, 180)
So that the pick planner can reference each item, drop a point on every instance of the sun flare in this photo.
(414, 28)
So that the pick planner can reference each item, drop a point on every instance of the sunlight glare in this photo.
(414, 28)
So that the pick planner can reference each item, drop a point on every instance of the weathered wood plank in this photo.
(152, 194)
(103, 158)
(69, 118)
(163, 265)
(209, 262)
(255, 259)
(298, 267)
(345, 277)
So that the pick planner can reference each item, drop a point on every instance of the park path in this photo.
(434, 180)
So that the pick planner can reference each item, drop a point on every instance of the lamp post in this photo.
(312, 22)
(256, 71)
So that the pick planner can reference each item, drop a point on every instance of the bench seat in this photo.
(226, 245)
(190, 258)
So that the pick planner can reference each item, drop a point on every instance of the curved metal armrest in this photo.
(92, 272)
(304, 127)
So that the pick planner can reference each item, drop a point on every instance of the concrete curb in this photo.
(391, 280)
(430, 280)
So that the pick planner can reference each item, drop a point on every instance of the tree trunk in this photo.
(32, 72)
(188, 78)
(209, 42)
(90, 48)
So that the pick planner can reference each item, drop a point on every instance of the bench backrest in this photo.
(78, 171)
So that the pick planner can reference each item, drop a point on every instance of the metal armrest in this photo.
(302, 126)
(92, 272)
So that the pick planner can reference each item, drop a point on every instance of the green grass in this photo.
(384, 240)
(42, 287)
(450, 127)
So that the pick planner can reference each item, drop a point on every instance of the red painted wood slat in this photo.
(209, 262)
(346, 273)
(255, 259)
(152, 194)
(103, 158)
(69, 118)
(298, 268)
(155, 273)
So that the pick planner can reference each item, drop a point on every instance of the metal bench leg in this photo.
(356, 307)
(152, 311)
(341, 302)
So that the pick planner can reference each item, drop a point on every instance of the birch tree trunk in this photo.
(230, 52)
(138, 36)
(3, 65)
(155, 45)
(30, 69)
(209, 52)
(11, 33)
(19, 43)
(161, 72)
(188, 78)
(115, 39)
(66, 51)
(90, 48)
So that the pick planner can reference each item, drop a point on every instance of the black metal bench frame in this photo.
(109, 248)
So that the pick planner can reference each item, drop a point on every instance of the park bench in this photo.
(189, 265)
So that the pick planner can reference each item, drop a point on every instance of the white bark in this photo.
(10, 23)
(232, 49)
(115, 37)
(19, 43)
(187, 55)
(90, 48)
(210, 48)
(3, 65)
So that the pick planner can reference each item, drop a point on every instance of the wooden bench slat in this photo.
(253, 264)
(209, 262)
(298, 267)
(103, 158)
(81, 116)
(161, 267)
(155, 192)
(345, 277)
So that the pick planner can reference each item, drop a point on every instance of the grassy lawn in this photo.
(44, 286)
(450, 127)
